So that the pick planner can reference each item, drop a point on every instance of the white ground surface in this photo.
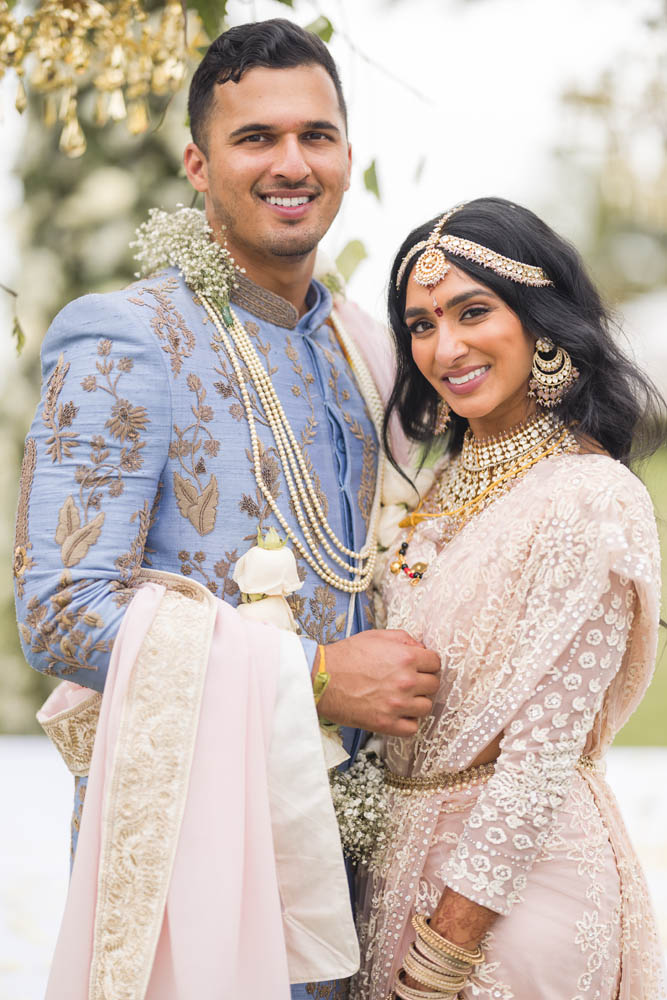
(36, 793)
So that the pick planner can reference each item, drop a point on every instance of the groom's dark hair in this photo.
(275, 44)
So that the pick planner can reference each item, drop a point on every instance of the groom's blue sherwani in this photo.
(139, 455)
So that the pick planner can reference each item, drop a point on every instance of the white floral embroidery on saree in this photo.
(544, 609)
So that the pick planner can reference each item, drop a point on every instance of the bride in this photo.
(532, 569)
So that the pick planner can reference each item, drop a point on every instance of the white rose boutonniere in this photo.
(265, 575)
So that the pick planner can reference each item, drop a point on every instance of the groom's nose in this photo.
(289, 160)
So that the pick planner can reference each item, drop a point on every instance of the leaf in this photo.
(212, 14)
(199, 508)
(288, 3)
(186, 494)
(18, 334)
(76, 546)
(202, 514)
(322, 27)
(371, 180)
(350, 257)
(68, 521)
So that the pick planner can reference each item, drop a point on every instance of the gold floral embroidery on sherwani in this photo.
(66, 635)
(58, 417)
(176, 338)
(23, 561)
(79, 527)
(544, 610)
(327, 991)
(197, 497)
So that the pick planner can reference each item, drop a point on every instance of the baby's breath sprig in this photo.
(361, 806)
(184, 239)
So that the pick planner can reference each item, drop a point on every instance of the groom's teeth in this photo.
(287, 202)
(467, 378)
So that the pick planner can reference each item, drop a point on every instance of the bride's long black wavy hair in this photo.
(612, 402)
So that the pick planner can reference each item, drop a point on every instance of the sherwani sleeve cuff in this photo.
(309, 647)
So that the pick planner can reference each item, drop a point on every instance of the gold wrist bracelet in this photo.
(322, 678)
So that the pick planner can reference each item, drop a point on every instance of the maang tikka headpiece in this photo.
(433, 265)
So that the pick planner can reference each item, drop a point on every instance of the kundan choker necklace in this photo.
(485, 469)
(184, 240)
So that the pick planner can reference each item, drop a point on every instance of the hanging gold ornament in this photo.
(137, 117)
(72, 139)
(125, 53)
(21, 101)
(117, 109)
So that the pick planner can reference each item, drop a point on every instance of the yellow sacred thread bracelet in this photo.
(322, 678)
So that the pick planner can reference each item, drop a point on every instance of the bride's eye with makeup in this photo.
(474, 312)
(421, 326)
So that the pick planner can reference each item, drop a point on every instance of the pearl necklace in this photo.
(305, 503)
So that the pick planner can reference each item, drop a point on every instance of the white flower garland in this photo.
(184, 239)
(362, 807)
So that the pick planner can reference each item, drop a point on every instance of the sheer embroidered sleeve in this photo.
(89, 485)
(580, 658)
(538, 757)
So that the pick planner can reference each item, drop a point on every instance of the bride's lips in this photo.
(478, 373)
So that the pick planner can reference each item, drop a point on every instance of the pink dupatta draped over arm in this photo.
(202, 870)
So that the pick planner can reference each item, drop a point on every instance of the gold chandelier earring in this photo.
(442, 418)
(552, 374)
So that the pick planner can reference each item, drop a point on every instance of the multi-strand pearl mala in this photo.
(305, 502)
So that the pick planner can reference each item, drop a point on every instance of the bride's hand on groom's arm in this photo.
(383, 681)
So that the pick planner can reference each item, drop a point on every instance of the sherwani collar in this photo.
(272, 308)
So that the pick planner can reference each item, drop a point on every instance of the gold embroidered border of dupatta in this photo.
(147, 790)
(72, 732)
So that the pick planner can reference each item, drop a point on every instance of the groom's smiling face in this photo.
(277, 161)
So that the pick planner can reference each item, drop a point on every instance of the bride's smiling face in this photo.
(476, 355)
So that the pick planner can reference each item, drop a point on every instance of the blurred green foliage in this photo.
(648, 725)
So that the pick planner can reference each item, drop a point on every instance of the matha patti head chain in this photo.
(433, 265)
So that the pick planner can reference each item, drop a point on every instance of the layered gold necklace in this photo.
(485, 469)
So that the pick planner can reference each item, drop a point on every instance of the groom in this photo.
(140, 452)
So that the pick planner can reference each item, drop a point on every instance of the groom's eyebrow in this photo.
(456, 300)
(320, 125)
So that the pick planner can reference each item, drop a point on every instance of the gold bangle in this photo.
(438, 964)
(426, 963)
(440, 943)
(406, 992)
(322, 678)
(433, 979)
(455, 965)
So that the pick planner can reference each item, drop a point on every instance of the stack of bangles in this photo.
(433, 961)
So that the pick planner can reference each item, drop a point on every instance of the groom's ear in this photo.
(349, 166)
(196, 167)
